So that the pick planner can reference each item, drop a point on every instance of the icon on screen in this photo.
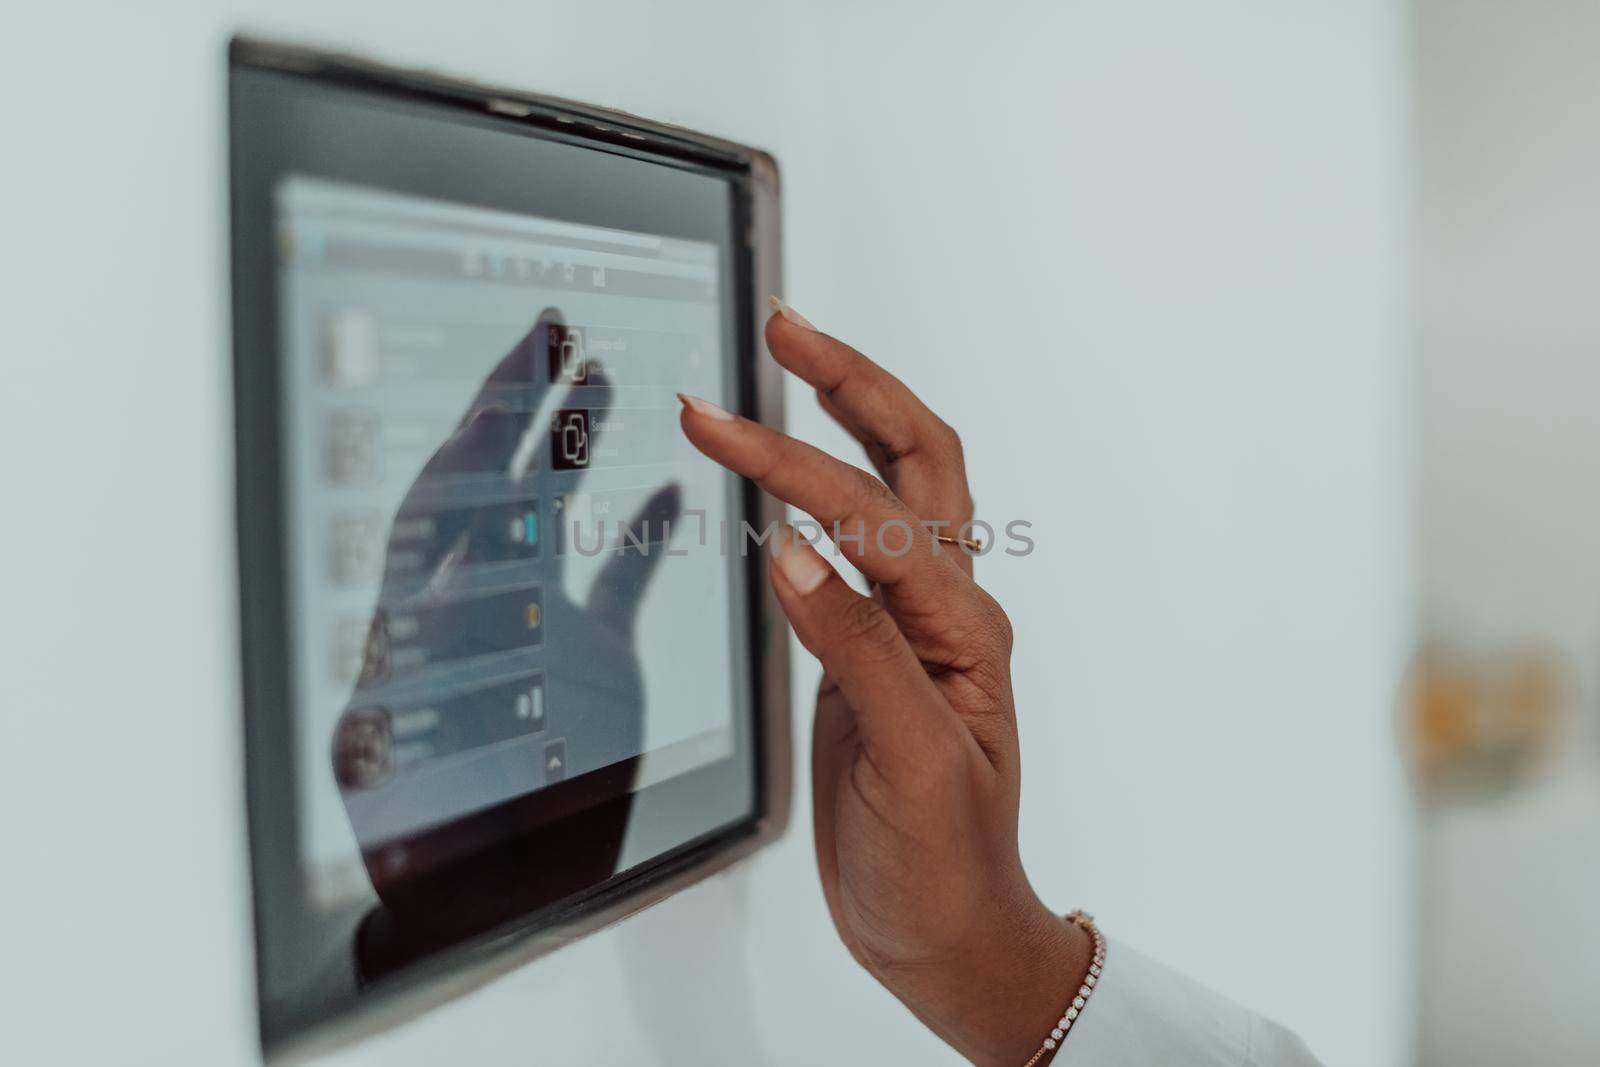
(522, 529)
(555, 760)
(355, 556)
(359, 651)
(569, 445)
(568, 362)
(350, 348)
(350, 447)
(530, 707)
(528, 606)
(363, 748)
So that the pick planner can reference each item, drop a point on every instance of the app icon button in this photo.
(363, 748)
(568, 360)
(361, 651)
(350, 448)
(522, 529)
(350, 349)
(555, 761)
(355, 557)
(569, 445)
(529, 704)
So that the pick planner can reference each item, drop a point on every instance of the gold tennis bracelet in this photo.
(1086, 922)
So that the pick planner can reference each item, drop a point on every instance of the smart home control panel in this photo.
(503, 677)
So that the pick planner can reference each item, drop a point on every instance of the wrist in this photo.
(996, 1003)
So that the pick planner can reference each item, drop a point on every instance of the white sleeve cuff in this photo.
(1143, 1014)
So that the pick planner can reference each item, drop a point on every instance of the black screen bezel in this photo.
(258, 73)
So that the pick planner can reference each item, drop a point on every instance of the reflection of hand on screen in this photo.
(475, 641)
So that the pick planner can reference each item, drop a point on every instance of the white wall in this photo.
(1509, 327)
(1143, 253)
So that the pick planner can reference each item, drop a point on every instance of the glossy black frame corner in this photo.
(454, 970)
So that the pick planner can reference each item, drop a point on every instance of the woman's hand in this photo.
(915, 767)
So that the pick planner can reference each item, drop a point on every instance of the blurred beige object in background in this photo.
(1477, 724)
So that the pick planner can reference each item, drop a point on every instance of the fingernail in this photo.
(789, 313)
(704, 407)
(801, 565)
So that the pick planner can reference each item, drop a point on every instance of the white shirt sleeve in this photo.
(1143, 1014)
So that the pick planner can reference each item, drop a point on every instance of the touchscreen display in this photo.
(504, 562)
(506, 669)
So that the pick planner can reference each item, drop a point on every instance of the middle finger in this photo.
(915, 451)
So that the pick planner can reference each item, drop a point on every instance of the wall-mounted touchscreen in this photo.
(498, 658)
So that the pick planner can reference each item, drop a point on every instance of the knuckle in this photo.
(1003, 628)
(866, 959)
(951, 440)
(867, 628)
(769, 455)
(848, 374)
(990, 621)
(965, 510)
(999, 624)
(869, 489)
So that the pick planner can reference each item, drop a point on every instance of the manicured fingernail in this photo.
(804, 568)
(704, 407)
(789, 313)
